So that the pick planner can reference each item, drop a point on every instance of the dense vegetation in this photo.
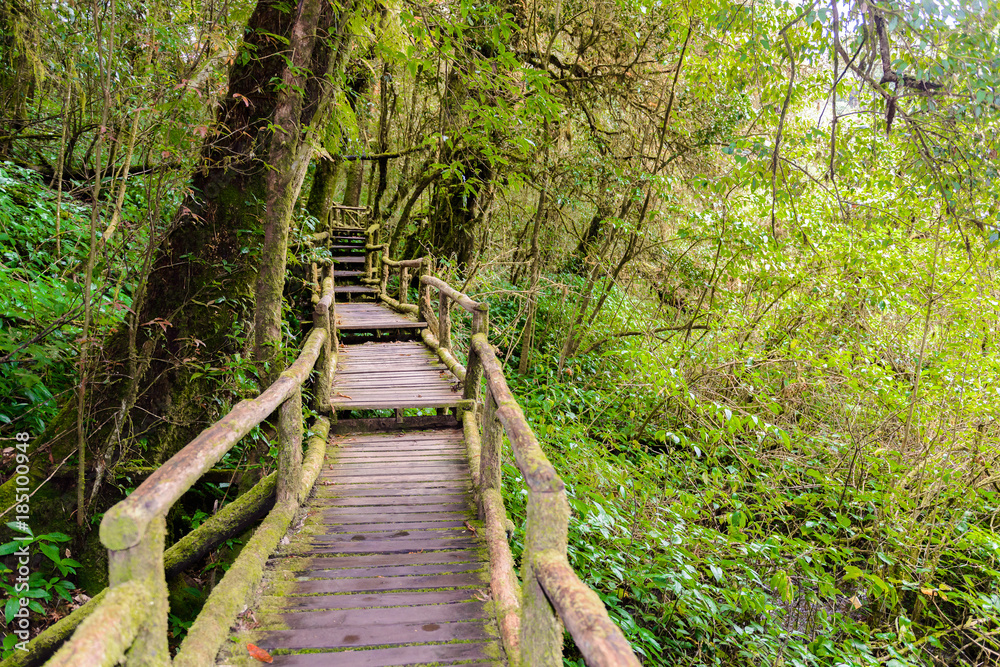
(742, 262)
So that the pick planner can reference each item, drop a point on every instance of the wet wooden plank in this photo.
(436, 613)
(388, 657)
(375, 528)
(402, 535)
(379, 584)
(385, 517)
(333, 561)
(372, 635)
(390, 571)
(388, 546)
(331, 496)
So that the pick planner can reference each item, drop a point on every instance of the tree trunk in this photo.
(199, 290)
(18, 35)
(324, 189)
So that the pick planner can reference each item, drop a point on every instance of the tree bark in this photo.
(199, 290)
(324, 189)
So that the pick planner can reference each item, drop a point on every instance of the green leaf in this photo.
(9, 548)
(50, 550)
(11, 608)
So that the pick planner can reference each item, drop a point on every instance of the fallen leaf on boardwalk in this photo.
(342, 395)
(482, 596)
(259, 653)
(470, 526)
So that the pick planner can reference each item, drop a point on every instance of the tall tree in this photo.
(225, 249)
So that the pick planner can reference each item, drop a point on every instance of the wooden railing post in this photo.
(385, 277)
(489, 453)
(474, 369)
(289, 448)
(404, 284)
(444, 320)
(423, 290)
(144, 563)
(325, 363)
(546, 533)
(370, 257)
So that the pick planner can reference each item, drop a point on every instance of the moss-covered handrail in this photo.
(552, 592)
(531, 615)
(133, 630)
(125, 524)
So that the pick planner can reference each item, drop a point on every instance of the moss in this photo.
(211, 628)
(105, 635)
(220, 526)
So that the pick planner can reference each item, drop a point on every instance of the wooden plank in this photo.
(372, 635)
(365, 486)
(449, 437)
(402, 405)
(330, 494)
(367, 478)
(431, 535)
(334, 561)
(411, 454)
(389, 464)
(387, 461)
(375, 528)
(354, 572)
(354, 289)
(329, 586)
(388, 657)
(349, 518)
(436, 613)
(390, 546)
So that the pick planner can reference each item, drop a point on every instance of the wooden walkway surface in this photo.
(387, 567)
(392, 375)
(371, 316)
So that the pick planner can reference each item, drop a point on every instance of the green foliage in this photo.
(46, 582)
(722, 525)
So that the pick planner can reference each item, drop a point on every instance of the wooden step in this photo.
(372, 317)
(349, 259)
(354, 289)
(348, 274)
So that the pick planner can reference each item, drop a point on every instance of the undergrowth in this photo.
(726, 519)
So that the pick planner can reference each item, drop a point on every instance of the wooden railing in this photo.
(129, 624)
(531, 613)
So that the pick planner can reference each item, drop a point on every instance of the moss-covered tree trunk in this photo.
(193, 313)
(324, 189)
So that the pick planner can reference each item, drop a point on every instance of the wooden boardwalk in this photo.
(387, 567)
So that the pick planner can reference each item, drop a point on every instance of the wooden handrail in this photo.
(125, 524)
(407, 263)
(134, 530)
(444, 288)
(538, 473)
(531, 615)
